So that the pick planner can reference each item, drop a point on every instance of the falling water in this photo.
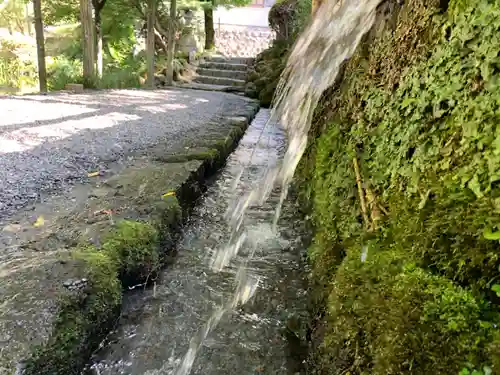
(331, 38)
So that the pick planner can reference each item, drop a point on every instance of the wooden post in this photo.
(150, 45)
(40, 45)
(87, 43)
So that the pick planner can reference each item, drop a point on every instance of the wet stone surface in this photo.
(260, 337)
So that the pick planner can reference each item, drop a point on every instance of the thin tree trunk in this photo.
(98, 35)
(87, 43)
(98, 6)
(28, 20)
(150, 51)
(171, 43)
(40, 45)
(209, 27)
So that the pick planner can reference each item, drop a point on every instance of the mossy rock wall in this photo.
(287, 18)
(410, 285)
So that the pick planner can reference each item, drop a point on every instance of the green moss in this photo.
(391, 317)
(167, 217)
(418, 107)
(83, 319)
(130, 254)
(134, 246)
(189, 156)
(268, 68)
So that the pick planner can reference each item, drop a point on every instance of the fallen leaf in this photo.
(93, 174)
(169, 194)
(104, 211)
(39, 222)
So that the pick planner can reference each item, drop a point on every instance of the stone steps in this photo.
(231, 60)
(223, 66)
(235, 74)
(223, 72)
(223, 81)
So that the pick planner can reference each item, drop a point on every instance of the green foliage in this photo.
(268, 67)
(13, 15)
(287, 18)
(418, 107)
(56, 12)
(17, 67)
(61, 71)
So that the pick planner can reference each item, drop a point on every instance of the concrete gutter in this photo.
(65, 292)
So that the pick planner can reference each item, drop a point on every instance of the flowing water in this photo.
(214, 301)
(180, 314)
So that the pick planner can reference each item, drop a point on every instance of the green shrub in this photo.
(119, 79)
(287, 18)
(17, 67)
(61, 71)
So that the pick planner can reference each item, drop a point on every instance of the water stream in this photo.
(162, 325)
(234, 244)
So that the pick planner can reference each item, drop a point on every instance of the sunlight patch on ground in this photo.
(27, 138)
(15, 111)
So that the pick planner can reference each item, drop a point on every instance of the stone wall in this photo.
(244, 41)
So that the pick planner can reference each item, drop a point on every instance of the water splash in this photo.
(312, 67)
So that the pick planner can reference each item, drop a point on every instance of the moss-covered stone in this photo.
(134, 246)
(268, 67)
(83, 317)
(417, 108)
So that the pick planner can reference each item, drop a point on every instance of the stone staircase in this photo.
(222, 73)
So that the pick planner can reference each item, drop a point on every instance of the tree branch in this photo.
(162, 42)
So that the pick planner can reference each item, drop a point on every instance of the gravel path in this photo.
(48, 143)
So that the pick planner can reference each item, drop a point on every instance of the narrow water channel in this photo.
(158, 323)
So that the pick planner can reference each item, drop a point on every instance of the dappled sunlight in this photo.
(31, 120)
(17, 112)
(162, 108)
(27, 138)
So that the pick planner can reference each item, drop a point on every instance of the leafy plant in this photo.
(61, 71)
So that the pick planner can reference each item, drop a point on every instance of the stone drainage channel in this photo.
(261, 337)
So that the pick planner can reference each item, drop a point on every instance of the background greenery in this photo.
(287, 18)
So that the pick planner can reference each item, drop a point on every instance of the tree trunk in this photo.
(40, 45)
(98, 35)
(87, 43)
(209, 27)
(28, 20)
(171, 43)
(98, 5)
(150, 50)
